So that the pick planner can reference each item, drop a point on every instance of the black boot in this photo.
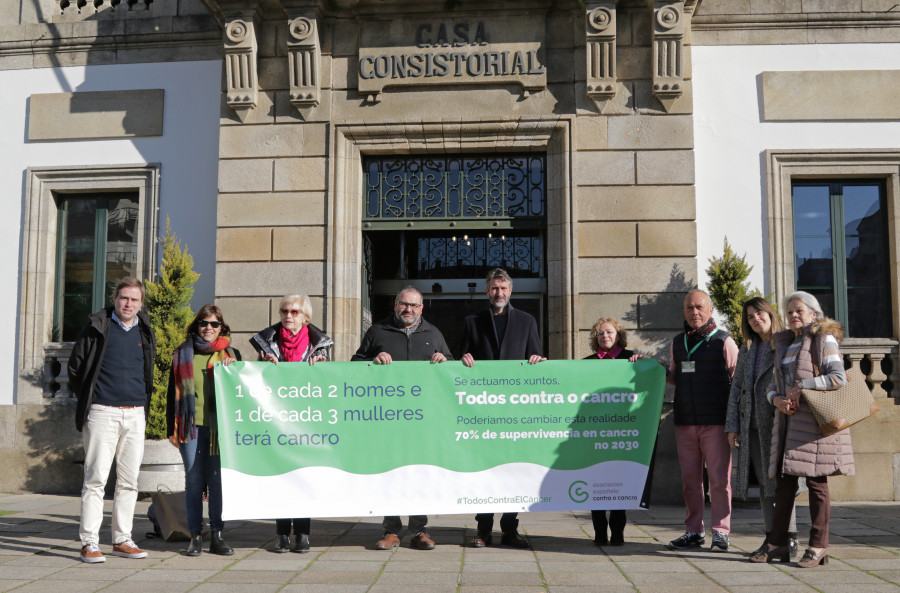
(282, 544)
(217, 545)
(792, 543)
(763, 547)
(195, 548)
(302, 544)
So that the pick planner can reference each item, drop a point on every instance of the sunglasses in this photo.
(293, 312)
(212, 324)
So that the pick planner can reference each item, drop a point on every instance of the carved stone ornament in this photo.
(240, 65)
(600, 34)
(668, 52)
(304, 56)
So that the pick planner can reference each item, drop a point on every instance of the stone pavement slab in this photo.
(39, 552)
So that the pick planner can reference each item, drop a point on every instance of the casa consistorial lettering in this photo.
(419, 53)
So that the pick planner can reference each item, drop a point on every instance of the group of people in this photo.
(725, 398)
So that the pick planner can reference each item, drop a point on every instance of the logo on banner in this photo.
(576, 492)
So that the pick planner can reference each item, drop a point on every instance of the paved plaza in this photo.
(39, 554)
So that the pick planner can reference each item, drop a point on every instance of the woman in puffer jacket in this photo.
(808, 357)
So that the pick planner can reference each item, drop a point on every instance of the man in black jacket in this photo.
(111, 373)
(404, 336)
(500, 332)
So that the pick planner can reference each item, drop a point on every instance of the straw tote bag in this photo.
(840, 408)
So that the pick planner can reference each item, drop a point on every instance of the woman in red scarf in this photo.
(607, 341)
(293, 339)
(191, 419)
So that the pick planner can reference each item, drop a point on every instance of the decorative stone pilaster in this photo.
(600, 34)
(304, 57)
(668, 52)
(240, 65)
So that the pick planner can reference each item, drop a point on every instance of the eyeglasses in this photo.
(292, 312)
(410, 305)
(212, 324)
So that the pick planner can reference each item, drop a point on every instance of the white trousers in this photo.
(111, 433)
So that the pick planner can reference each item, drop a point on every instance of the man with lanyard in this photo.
(702, 361)
(500, 332)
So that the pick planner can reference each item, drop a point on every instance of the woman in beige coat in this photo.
(808, 357)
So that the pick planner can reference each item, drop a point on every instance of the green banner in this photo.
(357, 425)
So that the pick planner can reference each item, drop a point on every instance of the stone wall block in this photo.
(273, 74)
(591, 133)
(296, 174)
(873, 480)
(344, 39)
(642, 27)
(810, 6)
(271, 209)
(559, 28)
(776, 6)
(664, 202)
(604, 168)
(649, 132)
(634, 63)
(727, 6)
(663, 310)
(594, 306)
(658, 167)
(254, 244)
(272, 141)
(298, 243)
(607, 239)
(244, 175)
(667, 238)
(624, 27)
(560, 67)
(649, 274)
(248, 315)
(276, 278)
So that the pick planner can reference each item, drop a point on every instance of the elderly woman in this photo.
(607, 341)
(191, 418)
(749, 419)
(293, 339)
(809, 358)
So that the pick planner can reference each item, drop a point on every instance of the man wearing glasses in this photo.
(404, 336)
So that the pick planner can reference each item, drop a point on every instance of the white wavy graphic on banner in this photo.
(428, 489)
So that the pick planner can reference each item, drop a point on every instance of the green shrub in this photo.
(729, 289)
(168, 305)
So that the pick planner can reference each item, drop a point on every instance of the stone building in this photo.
(601, 151)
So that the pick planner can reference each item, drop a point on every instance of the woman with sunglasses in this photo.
(293, 339)
(191, 419)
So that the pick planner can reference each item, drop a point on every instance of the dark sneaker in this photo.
(719, 542)
(513, 539)
(90, 553)
(127, 549)
(688, 540)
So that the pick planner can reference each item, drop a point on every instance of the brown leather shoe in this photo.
(388, 542)
(513, 539)
(421, 541)
(482, 539)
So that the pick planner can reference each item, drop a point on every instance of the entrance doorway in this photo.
(440, 224)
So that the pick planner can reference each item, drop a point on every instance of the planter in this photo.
(161, 468)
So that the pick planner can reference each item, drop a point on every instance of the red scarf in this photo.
(293, 346)
(601, 354)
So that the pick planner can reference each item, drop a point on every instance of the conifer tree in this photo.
(729, 289)
(168, 304)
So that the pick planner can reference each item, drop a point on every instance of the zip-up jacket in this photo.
(389, 336)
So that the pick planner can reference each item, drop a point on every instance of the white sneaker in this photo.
(127, 549)
(91, 554)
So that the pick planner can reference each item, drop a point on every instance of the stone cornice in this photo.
(843, 27)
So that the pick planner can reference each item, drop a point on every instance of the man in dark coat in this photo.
(500, 332)
(404, 336)
(111, 373)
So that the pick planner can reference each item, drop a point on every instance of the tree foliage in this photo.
(728, 288)
(167, 302)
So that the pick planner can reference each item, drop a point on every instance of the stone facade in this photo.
(311, 88)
